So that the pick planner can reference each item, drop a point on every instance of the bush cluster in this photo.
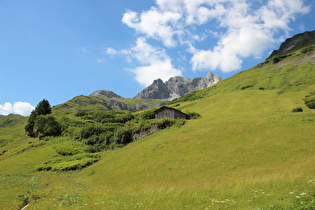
(41, 122)
(308, 49)
(72, 163)
(69, 148)
(279, 58)
(297, 109)
(88, 132)
(310, 100)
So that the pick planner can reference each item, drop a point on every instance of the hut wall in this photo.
(165, 113)
(169, 113)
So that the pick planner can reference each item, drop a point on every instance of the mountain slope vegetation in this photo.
(247, 151)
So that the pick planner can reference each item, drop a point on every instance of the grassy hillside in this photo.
(247, 151)
(90, 103)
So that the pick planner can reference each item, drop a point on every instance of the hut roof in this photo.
(166, 107)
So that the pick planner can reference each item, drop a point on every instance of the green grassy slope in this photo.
(247, 151)
(89, 103)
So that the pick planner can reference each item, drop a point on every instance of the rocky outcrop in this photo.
(105, 93)
(117, 105)
(108, 100)
(300, 40)
(177, 86)
(88, 103)
(158, 90)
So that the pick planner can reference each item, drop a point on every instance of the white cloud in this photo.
(146, 54)
(154, 24)
(242, 28)
(164, 70)
(153, 62)
(227, 56)
(111, 51)
(278, 13)
(21, 108)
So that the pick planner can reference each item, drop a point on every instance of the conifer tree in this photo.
(43, 108)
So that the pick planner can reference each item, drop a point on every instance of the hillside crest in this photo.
(177, 86)
(294, 43)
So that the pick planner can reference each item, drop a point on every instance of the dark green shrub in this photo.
(164, 123)
(43, 108)
(123, 118)
(123, 136)
(47, 125)
(81, 113)
(43, 167)
(69, 163)
(279, 58)
(298, 109)
(104, 138)
(67, 166)
(308, 49)
(146, 115)
(193, 115)
(74, 165)
(100, 116)
(246, 86)
(91, 130)
(310, 100)
(276, 59)
(70, 148)
(29, 130)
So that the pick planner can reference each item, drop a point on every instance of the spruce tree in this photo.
(43, 108)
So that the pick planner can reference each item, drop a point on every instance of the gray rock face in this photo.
(158, 90)
(117, 105)
(297, 41)
(105, 93)
(177, 86)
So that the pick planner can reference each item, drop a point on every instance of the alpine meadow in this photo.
(249, 143)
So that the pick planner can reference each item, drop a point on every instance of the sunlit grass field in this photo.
(247, 151)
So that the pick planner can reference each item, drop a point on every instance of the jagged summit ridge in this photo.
(177, 86)
(293, 43)
(106, 93)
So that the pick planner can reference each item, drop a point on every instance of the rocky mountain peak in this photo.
(157, 90)
(105, 93)
(297, 41)
(177, 86)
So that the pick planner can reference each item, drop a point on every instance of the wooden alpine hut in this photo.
(171, 113)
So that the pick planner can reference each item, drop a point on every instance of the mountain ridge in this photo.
(153, 96)
(293, 43)
(177, 86)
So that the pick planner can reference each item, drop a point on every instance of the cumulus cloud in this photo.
(154, 24)
(153, 62)
(246, 28)
(248, 33)
(21, 108)
(157, 69)
(227, 55)
(279, 13)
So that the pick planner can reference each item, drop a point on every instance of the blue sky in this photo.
(57, 49)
